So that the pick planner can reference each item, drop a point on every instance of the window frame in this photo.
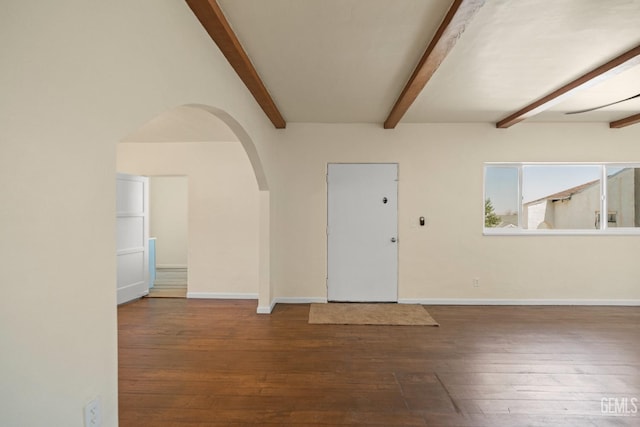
(603, 230)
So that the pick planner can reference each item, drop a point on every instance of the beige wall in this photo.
(440, 177)
(76, 78)
(168, 219)
(223, 209)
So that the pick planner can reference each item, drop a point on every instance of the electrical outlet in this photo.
(92, 415)
(476, 282)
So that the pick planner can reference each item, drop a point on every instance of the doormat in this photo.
(370, 314)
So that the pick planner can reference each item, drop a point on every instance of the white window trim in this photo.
(604, 230)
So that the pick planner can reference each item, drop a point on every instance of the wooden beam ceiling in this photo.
(214, 22)
(603, 72)
(627, 121)
(458, 17)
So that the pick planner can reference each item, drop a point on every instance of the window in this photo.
(536, 198)
(612, 219)
(501, 197)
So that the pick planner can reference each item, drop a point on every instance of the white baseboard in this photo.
(260, 309)
(220, 295)
(298, 300)
(289, 300)
(265, 309)
(473, 301)
(464, 301)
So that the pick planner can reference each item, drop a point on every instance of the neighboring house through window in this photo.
(573, 202)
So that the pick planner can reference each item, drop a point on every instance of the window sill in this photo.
(521, 232)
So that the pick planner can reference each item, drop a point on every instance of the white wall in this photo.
(535, 215)
(578, 212)
(622, 194)
(440, 177)
(168, 221)
(77, 77)
(223, 209)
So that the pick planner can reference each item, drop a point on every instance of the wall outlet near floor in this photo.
(476, 282)
(92, 415)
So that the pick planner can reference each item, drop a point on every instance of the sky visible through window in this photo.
(542, 181)
(501, 187)
(538, 181)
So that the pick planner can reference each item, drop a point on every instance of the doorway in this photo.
(168, 209)
(362, 232)
(228, 256)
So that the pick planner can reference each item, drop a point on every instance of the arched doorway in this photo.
(198, 126)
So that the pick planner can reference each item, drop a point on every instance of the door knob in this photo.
(393, 240)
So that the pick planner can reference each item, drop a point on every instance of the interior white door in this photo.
(362, 232)
(132, 238)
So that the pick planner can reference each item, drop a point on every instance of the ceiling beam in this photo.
(603, 72)
(458, 17)
(214, 22)
(627, 121)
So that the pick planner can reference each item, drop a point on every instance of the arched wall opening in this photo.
(228, 197)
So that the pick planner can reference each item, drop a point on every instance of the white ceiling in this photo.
(348, 60)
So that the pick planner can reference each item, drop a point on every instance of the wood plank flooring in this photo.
(217, 363)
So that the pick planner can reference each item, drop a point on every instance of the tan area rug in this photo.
(370, 314)
(167, 293)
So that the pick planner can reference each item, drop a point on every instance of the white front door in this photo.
(132, 236)
(362, 232)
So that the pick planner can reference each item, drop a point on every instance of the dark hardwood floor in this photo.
(217, 363)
